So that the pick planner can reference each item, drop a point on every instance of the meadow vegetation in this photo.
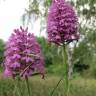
(43, 87)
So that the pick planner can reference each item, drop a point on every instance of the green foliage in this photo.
(46, 49)
(1, 50)
(51, 52)
(85, 52)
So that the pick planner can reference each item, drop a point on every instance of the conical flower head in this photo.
(62, 22)
(23, 55)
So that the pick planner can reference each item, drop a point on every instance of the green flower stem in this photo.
(27, 83)
(65, 58)
(19, 86)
